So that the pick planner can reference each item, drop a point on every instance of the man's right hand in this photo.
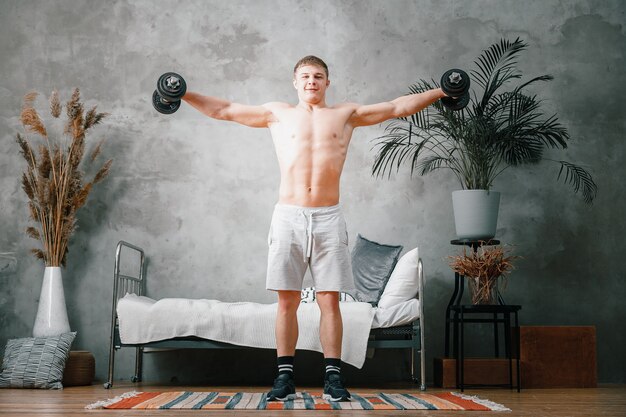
(171, 87)
(455, 83)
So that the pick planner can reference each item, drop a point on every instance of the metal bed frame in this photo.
(409, 336)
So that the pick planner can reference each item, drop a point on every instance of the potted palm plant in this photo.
(500, 128)
(55, 185)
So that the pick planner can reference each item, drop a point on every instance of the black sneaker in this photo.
(334, 389)
(284, 389)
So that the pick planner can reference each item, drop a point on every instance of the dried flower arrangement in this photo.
(53, 180)
(482, 268)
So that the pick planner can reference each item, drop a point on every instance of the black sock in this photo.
(285, 365)
(333, 365)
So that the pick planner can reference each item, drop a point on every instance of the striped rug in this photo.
(172, 400)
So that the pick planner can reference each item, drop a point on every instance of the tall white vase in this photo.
(51, 319)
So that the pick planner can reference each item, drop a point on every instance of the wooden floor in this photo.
(607, 400)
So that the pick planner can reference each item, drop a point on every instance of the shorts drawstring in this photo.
(308, 214)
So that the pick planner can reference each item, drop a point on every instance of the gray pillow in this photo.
(35, 362)
(372, 265)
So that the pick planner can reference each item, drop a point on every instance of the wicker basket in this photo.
(80, 369)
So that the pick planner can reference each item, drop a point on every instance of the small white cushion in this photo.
(307, 295)
(402, 284)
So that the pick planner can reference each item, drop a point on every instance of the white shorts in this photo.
(314, 237)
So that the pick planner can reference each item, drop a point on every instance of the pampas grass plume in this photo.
(55, 105)
(53, 179)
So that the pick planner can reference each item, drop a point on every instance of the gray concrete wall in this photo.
(197, 193)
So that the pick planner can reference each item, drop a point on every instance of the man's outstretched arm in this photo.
(217, 108)
(371, 114)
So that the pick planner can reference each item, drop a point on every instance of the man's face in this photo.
(311, 83)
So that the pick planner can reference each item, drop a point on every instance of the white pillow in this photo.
(402, 284)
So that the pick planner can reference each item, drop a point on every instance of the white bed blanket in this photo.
(142, 320)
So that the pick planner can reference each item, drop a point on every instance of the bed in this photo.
(140, 322)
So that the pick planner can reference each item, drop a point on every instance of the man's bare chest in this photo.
(318, 129)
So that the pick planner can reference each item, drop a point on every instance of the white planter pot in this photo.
(475, 213)
(51, 319)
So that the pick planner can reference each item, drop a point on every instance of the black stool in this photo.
(497, 314)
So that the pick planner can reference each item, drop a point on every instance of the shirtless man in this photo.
(311, 140)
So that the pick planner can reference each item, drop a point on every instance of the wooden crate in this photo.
(558, 356)
(550, 357)
(80, 369)
(486, 371)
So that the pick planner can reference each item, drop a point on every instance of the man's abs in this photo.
(310, 178)
(305, 194)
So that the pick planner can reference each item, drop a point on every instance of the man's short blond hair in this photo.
(311, 60)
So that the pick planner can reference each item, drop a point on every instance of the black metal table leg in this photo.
(496, 341)
(517, 351)
(461, 362)
(507, 346)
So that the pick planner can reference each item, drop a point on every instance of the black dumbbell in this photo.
(171, 87)
(455, 83)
